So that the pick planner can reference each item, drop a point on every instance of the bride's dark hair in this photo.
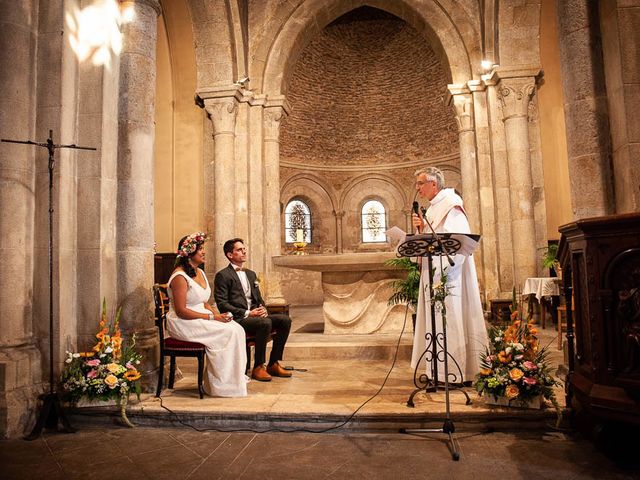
(184, 261)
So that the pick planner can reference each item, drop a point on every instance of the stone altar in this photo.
(356, 288)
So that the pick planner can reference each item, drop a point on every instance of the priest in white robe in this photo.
(466, 331)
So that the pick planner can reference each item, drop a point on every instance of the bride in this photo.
(192, 319)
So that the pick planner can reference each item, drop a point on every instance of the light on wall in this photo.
(94, 31)
(487, 65)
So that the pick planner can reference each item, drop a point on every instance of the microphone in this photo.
(415, 208)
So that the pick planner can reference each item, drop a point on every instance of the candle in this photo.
(299, 235)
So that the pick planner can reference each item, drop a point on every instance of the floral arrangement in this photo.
(515, 367)
(108, 372)
(441, 291)
(190, 244)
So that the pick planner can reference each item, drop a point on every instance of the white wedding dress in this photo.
(226, 356)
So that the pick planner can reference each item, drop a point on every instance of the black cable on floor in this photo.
(292, 430)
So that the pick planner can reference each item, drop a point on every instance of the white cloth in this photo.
(226, 353)
(466, 331)
(541, 287)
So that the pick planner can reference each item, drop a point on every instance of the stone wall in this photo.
(367, 90)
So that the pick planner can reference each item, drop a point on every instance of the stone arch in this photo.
(430, 19)
(219, 42)
(354, 182)
(322, 204)
(388, 191)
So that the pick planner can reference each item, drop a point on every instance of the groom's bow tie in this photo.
(239, 269)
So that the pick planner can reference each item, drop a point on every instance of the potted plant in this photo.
(549, 259)
(405, 290)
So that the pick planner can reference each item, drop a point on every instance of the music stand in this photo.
(429, 245)
(51, 413)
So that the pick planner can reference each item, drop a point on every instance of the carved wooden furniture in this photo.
(600, 258)
(500, 311)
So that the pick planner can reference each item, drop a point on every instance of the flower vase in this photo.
(534, 403)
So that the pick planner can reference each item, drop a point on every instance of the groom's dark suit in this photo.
(230, 297)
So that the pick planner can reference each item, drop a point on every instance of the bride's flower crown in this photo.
(190, 244)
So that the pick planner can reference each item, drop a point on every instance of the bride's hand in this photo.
(222, 317)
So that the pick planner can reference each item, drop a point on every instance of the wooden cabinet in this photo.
(600, 258)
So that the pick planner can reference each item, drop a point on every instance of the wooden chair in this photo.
(172, 347)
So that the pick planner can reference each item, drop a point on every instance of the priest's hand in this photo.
(418, 223)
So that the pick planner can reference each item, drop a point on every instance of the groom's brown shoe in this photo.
(276, 370)
(260, 374)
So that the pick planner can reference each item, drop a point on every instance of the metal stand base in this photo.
(51, 416)
(434, 388)
(449, 428)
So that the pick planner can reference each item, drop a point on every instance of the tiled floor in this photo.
(164, 453)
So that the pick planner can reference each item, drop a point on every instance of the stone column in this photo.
(462, 102)
(136, 131)
(514, 95)
(339, 216)
(585, 108)
(620, 25)
(273, 114)
(463, 105)
(222, 112)
(20, 367)
(257, 258)
(486, 185)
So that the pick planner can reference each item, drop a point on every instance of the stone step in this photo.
(348, 347)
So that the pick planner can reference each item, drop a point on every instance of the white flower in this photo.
(102, 355)
(76, 355)
(68, 360)
(507, 350)
(519, 347)
(497, 339)
(518, 357)
(108, 349)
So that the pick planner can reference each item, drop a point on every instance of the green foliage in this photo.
(549, 255)
(405, 291)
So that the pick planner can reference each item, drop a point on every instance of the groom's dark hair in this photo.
(228, 246)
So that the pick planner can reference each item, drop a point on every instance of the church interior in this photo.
(298, 126)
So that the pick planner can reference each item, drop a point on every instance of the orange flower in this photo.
(111, 381)
(512, 391)
(503, 357)
(87, 354)
(102, 332)
(533, 330)
(515, 374)
(132, 375)
(113, 367)
(486, 371)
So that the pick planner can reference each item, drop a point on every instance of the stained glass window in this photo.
(297, 222)
(374, 222)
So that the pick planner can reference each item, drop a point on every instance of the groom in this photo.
(236, 291)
